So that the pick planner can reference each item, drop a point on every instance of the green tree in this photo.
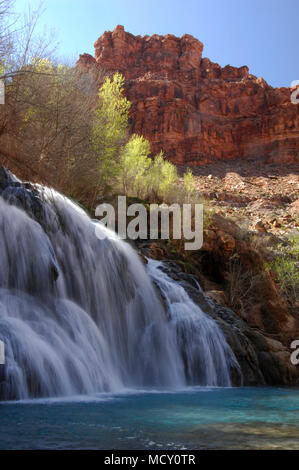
(134, 162)
(162, 178)
(169, 180)
(110, 128)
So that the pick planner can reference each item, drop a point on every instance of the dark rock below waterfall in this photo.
(20, 194)
(7, 179)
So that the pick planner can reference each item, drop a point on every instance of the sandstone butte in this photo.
(193, 109)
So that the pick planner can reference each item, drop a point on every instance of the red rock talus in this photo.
(193, 109)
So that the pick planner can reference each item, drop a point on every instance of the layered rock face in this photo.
(193, 109)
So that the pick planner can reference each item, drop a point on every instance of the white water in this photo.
(206, 354)
(100, 326)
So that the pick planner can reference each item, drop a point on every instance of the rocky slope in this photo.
(261, 197)
(193, 109)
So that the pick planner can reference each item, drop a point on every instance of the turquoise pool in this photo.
(197, 418)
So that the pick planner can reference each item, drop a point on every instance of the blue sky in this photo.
(263, 34)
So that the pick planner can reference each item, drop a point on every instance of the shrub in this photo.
(161, 179)
(134, 162)
(189, 184)
(284, 269)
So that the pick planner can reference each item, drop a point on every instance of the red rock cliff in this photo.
(193, 109)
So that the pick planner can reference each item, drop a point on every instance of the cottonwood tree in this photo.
(161, 179)
(110, 130)
(134, 163)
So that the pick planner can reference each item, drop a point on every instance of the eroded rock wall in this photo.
(193, 109)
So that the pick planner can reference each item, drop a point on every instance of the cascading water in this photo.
(80, 315)
(207, 356)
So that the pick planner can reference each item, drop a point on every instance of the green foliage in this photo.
(189, 184)
(161, 179)
(134, 162)
(285, 269)
(42, 65)
(139, 175)
(169, 179)
(153, 177)
(110, 128)
(44, 90)
(2, 68)
(126, 163)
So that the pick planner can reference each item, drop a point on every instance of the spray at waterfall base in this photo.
(174, 221)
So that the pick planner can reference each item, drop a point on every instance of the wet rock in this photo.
(7, 179)
(24, 198)
(22, 195)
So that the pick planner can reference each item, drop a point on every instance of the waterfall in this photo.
(207, 356)
(80, 315)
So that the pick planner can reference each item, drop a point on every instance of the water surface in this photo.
(198, 418)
